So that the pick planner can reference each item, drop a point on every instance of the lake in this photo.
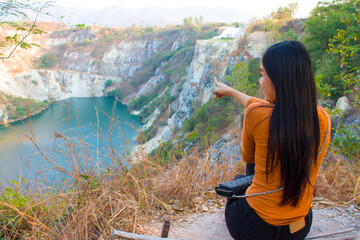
(80, 125)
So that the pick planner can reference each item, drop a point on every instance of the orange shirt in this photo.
(254, 150)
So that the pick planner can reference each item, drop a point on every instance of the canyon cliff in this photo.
(88, 63)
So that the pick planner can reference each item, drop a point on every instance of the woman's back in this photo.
(282, 136)
(254, 149)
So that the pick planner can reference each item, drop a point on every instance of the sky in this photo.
(259, 8)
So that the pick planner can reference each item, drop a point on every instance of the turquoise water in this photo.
(83, 122)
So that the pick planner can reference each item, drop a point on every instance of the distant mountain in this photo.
(122, 17)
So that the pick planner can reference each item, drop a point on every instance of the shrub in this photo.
(116, 93)
(84, 43)
(346, 140)
(146, 135)
(189, 125)
(47, 61)
(141, 101)
(10, 217)
(166, 152)
(150, 66)
(108, 83)
(218, 120)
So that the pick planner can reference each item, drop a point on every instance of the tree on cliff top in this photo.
(285, 12)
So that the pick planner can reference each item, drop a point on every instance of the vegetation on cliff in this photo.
(217, 115)
(18, 108)
(173, 64)
(280, 23)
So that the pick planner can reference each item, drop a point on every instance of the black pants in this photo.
(244, 223)
(250, 169)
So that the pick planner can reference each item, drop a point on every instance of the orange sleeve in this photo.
(248, 143)
(255, 100)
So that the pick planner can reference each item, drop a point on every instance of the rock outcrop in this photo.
(122, 59)
(57, 85)
(79, 74)
(227, 148)
(343, 105)
(257, 43)
(211, 58)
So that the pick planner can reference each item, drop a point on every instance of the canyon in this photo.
(85, 62)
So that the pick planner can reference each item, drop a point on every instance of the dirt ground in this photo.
(210, 224)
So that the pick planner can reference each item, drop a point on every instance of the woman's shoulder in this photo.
(258, 109)
(324, 118)
(323, 113)
(256, 103)
(323, 110)
(253, 101)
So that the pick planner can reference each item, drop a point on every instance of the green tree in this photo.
(188, 21)
(239, 79)
(344, 49)
(24, 28)
(18, 8)
(326, 18)
(338, 21)
(47, 60)
(109, 83)
(338, 75)
(344, 46)
(200, 20)
(285, 12)
(255, 73)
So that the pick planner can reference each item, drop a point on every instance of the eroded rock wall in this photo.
(211, 58)
(81, 73)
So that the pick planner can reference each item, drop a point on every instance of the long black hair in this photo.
(294, 126)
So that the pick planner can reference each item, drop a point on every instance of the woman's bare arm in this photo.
(224, 90)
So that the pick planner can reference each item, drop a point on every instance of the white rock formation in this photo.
(56, 85)
(343, 105)
(79, 74)
(257, 42)
(125, 58)
(151, 83)
(231, 32)
(179, 42)
(211, 59)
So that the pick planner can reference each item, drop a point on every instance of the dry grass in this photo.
(89, 204)
(338, 180)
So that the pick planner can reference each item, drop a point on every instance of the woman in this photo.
(286, 136)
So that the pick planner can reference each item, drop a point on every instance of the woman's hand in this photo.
(222, 89)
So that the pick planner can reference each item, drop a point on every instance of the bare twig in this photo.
(22, 40)
(136, 236)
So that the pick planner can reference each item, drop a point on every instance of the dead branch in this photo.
(136, 236)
